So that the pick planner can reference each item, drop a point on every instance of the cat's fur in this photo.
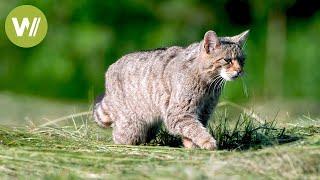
(177, 86)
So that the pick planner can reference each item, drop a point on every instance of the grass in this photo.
(244, 133)
(248, 149)
(73, 147)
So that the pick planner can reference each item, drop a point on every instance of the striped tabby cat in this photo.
(177, 86)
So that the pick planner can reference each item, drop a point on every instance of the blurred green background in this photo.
(86, 36)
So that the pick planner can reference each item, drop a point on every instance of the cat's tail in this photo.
(100, 113)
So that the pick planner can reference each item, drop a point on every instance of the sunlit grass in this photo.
(83, 150)
(249, 146)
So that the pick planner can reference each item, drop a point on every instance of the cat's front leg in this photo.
(187, 125)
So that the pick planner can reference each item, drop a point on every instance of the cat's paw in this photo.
(209, 144)
(187, 143)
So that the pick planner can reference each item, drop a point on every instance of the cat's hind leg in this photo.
(129, 131)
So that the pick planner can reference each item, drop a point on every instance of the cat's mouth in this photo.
(230, 76)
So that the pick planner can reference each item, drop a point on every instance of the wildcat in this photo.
(177, 86)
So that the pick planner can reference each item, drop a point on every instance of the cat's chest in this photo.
(207, 102)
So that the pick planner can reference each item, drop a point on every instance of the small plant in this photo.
(163, 138)
(244, 133)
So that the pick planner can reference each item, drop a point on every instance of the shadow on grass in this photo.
(242, 134)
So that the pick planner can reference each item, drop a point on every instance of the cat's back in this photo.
(139, 63)
(148, 56)
(140, 80)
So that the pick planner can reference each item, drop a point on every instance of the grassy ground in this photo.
(74, 147)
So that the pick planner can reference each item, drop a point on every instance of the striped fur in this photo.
(101, 115)
(177, 86)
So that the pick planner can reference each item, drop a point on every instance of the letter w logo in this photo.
(25, 25)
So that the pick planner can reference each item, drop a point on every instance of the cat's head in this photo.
(224, 54)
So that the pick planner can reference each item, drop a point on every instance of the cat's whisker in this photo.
(224, 84)
(217, 80)
(221, 85)
(217, 77)
(216, 85)
(212, 82)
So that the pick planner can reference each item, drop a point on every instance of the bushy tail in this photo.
(100, 113)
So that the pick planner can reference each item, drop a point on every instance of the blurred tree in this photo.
(85, 37)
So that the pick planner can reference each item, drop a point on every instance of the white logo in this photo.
(25, 25)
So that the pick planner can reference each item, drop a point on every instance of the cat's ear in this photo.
(210, 41)
(241, 38)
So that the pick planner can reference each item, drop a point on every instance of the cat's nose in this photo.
(238, 73)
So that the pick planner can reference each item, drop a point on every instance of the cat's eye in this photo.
(228, 60)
